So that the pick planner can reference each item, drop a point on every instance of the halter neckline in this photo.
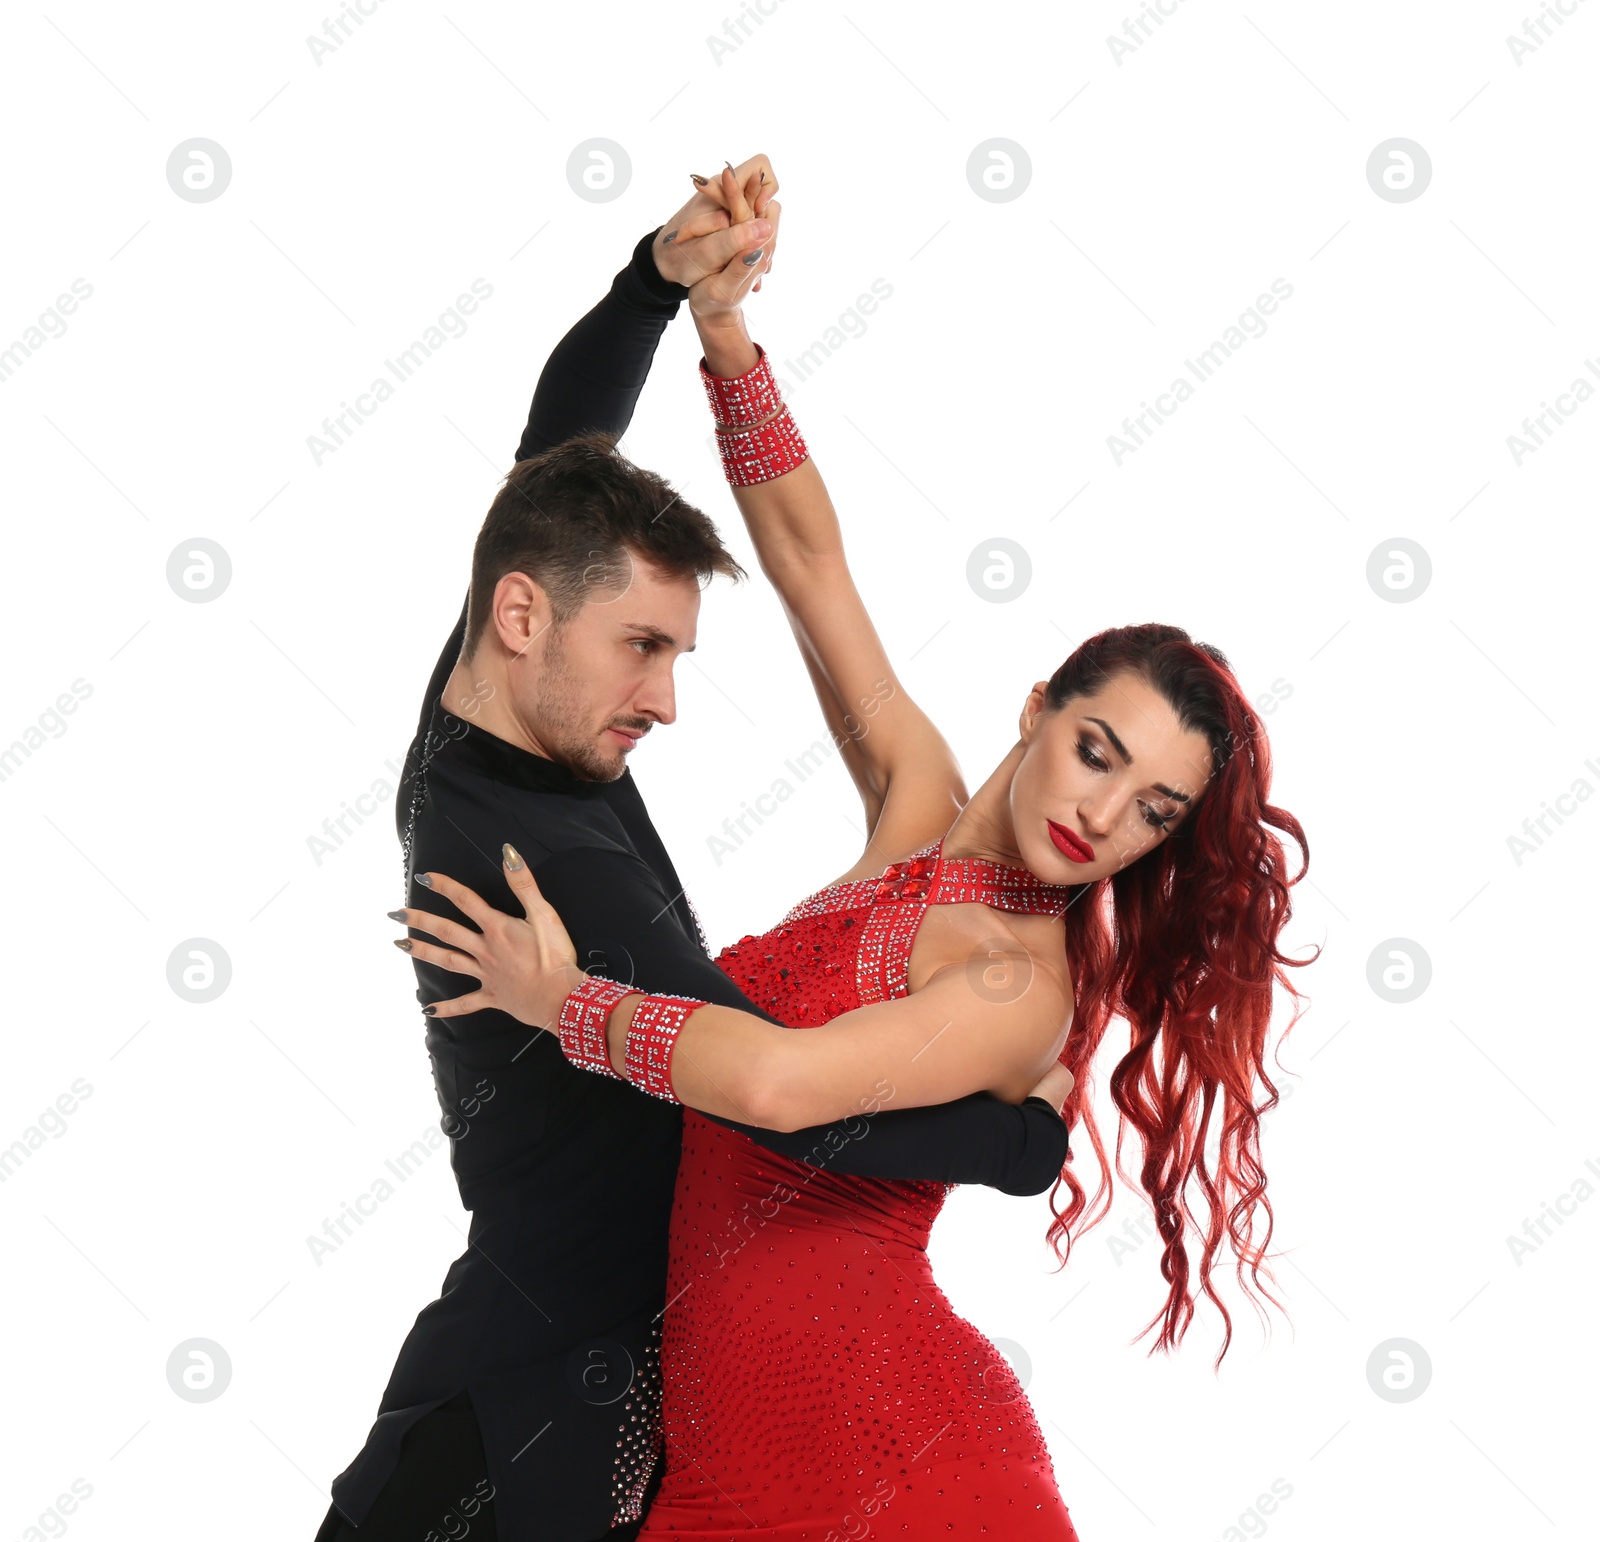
(936, 879)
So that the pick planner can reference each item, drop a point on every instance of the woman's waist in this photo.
(726, 1180)
(780, 1231)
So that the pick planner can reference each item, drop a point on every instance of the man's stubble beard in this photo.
(561, 725)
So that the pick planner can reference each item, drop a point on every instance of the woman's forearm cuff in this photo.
(652, 1038)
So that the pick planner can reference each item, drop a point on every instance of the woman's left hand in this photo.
(1055, 1087)
(526, 967)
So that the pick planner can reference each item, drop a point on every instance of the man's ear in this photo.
(521, 613)
(1032, 709)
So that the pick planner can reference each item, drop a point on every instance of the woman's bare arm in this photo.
(943, 1041)
(910, 784)
(950, 1037)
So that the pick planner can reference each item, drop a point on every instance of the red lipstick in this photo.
(1068, 844)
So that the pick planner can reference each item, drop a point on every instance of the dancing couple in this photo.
(696, 1298)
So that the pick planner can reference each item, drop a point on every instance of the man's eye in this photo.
(646, 644)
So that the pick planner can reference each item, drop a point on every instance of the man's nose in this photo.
(658, 698)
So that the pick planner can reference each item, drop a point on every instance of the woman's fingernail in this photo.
(697, 179)
(752, 258)
(395, 915)
(728, 164)
(424, 880)
(512, 860)
(403, 943)
(763, 181)
(669, 238)
(429, 1012)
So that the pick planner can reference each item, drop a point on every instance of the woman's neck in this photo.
(984, 827)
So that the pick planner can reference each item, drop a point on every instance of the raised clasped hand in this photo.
(720, 244)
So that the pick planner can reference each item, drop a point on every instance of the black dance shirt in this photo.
(551, 1319)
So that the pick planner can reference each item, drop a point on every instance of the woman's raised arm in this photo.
(910, 784)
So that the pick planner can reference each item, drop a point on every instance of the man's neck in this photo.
(477, 693)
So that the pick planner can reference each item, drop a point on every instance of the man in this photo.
(525, 1401)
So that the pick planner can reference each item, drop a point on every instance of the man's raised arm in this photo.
(594, 375)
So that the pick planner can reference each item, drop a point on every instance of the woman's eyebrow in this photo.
(1116, 743)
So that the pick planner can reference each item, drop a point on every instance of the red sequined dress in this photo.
(818, 1384)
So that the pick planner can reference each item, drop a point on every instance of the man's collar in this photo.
(503, 761)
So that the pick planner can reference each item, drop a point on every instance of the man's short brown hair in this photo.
(564, 517)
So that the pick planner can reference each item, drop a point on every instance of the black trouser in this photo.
(441, 1471)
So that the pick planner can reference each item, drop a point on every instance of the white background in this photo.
(1168, 190)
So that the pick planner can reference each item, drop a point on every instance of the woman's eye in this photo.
(1090, 756)
(1157, 821)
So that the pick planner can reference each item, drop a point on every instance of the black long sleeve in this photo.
(1016, 1148)
(604, 895)
(595, 374)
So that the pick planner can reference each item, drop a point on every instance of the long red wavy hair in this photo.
(1182, 944)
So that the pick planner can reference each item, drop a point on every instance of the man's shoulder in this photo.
(607, 861)
(462, 804)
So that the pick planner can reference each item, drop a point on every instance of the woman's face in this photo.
(1103, 780)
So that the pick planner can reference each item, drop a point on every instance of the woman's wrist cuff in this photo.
(757, 437)
(741, 401)
(581, 1027)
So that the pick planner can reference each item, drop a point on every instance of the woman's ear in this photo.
(1032, 709)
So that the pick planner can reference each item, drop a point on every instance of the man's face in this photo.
(604, 678)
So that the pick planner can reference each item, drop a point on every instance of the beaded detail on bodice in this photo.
(802, 972)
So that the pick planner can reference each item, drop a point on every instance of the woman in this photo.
(1120, 859)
